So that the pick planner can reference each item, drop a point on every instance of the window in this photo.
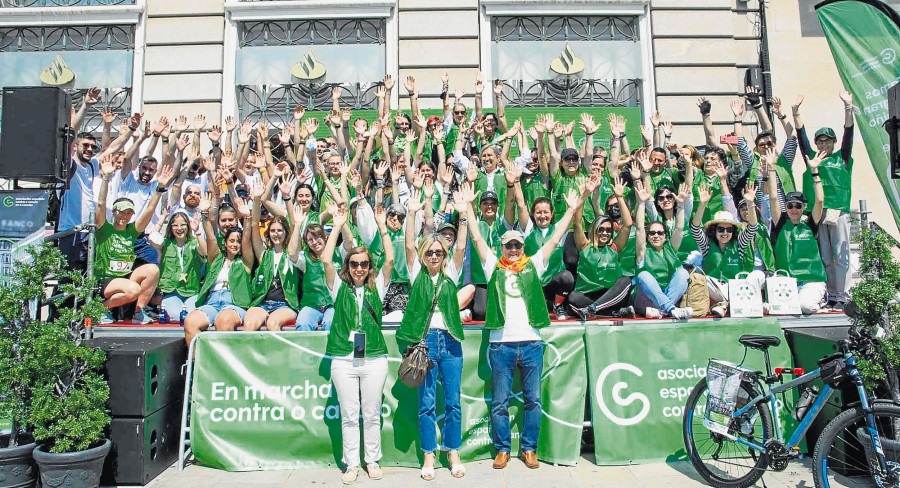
(567, 61)
(284, 63)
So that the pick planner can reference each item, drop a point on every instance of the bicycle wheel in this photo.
(844, 455)
(722, 462)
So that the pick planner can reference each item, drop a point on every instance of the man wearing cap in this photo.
(491, 226)
(835, 173)
(794, 235)
(515, 311)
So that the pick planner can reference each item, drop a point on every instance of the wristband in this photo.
(782, 117)
(262, 170)
(758, 106)
(814, 174)
(511, 186)
(215, 144)
(165, 139)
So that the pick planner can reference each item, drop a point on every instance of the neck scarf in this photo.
(514, 266)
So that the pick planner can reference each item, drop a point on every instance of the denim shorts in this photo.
(271, 305)
(219, 301)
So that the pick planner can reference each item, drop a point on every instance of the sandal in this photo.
(458, 470)
(428, 473)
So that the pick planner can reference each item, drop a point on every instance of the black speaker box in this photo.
(754, 77)
(142, 447)
(145, 373)
(33, 146)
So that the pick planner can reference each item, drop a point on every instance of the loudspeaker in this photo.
(892, 126)
(144, 373)
(142, 447)
(754, 77)
(35, 139)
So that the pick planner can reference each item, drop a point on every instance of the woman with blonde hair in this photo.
(433, 316)
(356, 344)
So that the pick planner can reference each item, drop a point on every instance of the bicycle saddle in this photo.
(758, 341)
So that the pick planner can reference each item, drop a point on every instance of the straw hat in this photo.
(724, 217)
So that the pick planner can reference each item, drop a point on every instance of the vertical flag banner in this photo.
(864, 36)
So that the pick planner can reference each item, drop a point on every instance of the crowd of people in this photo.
(432, 223)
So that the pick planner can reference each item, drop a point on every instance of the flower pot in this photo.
(80, 469)
(17, 469)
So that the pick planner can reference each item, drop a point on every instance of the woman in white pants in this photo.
(356, 344)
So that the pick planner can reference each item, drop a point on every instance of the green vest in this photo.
(347, 319)
(315, 292)
(723, 265)
(715, 203)
(533, 188)
(761, 244)
(835, 183)
(450, 139)
(491, 235)
(421, 296)
(628, 255)
(598, 269)
(797, 252)
(532, 293)
(782, 169)
(661, 264)
(534, 242)
(173, 277)
(663, 178)
(481, 184)
(265, 274)
(560, 186)
(238, 282)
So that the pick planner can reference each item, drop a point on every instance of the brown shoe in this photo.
(529, 459)
(501, 460)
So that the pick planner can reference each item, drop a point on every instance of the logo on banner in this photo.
(58, 73)
(308, 69)
(9, 201)
(617, 396)
(888, 56)
(567, 63)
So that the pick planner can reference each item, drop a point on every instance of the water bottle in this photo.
(807, 397)
(183, 315)
(163, 317)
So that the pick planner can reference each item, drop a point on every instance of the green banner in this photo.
(864, 37)
(265, 401)
(641, 376)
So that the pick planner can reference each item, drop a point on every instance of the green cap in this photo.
(825, 131)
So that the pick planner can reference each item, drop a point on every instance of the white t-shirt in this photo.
(78, 201)
(515, 327)
(132, 189)
(437, 320)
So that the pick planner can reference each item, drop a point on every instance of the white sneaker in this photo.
(140, 317)
(682, 313)
(465, 315)
(718, 311)
(374, 470)
(652, 313)
(350, 475)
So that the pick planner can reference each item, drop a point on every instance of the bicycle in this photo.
(859, 447)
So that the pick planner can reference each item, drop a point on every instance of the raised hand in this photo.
(418, 179)
(682, 194)
(592, 183)
(668, 128)
(644, 158)
(513, 172)
(199, 122)
(540, 125)
(750, 191)
(704, 193)
(776, 106)
(161, 125)
(108, 117)
(280, 169)
(737, 107)
(182, 142)
(646, 132)
(498, 88)
(654, 119)
(107, 165)
(471, 173)
(634, 169)
(396, 172)
(298, 112)
(204, 203)
(92, 96)
(355, 179)
(446, 175)
(339, 216)
(588, 125)
(445, 77)
(380, 92)
(816, 161)
(479, 83)
(359, 127)
(214, 134)
(181, 124)
(459, 203)
(230, 124)
(751, 94)
(344, 168)
(795, 107)
(618, 187)
(244, 135)
(312, 125)
(559, 130)
(380, 169)
(346, 115)
(388, 82)
(847, 98)
(284, 137)
(257, 190)
(571, 198)
(428, 189)
(410, 85)
(336, 93)
(262, 131)
(705, 106)
(533, 134)
(642, 193)
(300, 215)
(613, 126)
(380, 216)
(569, 128)
(165, 175)
(721, 170)
(468, 192)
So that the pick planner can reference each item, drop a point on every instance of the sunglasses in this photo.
(604, 230)
(571, 158)
(314, 238)
(513, 245)
(359, 264)
(439, 254)
(724, 230)
(92, 147)
(766, 144)
(656, 232)
(794, 206)
(459, 112)
(667, 196)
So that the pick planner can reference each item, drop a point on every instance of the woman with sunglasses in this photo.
(434, 272)
(602, 288)
(359, 363)
(224, 296)
(723, 243)
(661, 280)
(794, 234)
(276, 282)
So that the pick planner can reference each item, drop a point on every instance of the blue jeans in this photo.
(649, 293)
(446, 352)
(219, 301)
(271, 305)
(173, 303)
(309, 318)
(504, 358)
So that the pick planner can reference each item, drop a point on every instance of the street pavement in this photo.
(480, 475)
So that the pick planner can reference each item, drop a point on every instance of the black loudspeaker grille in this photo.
(145, 373)
(31, 144)
(142, 447)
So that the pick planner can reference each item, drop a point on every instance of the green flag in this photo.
(864, 36)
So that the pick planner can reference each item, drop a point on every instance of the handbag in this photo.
(415, 362)
(744, 297)
(781, 291)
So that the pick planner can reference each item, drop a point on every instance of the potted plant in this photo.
(65, 406)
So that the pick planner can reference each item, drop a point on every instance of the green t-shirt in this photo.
(115, 251)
